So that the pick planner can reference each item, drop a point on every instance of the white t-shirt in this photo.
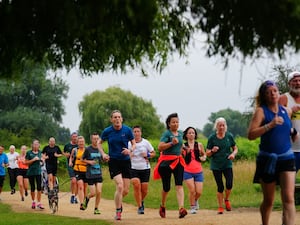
(12, 160)
(295, 120)
(138, 161)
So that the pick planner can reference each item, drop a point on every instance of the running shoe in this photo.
(22, 199)
(220, 210)
(193, 209)
(72, 200)
(162, 212)
(182, 212)
(140, 210)
(97, 212)
(33, 205)
(227, 205)
(40, 206)
(118, 215)
(75, 200)
(86, 202)
(82, 207)
(26, 193)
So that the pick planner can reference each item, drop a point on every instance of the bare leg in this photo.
(268, 200)
(287, 186)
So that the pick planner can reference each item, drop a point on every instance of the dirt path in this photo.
(240, 216)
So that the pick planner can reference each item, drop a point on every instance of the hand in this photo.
(295, 108)
(126, 151)
(215, 149)
(36, 158)
(175, 141)
(231, 156)
(105, 157)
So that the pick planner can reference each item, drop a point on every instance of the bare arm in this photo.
(100, 148)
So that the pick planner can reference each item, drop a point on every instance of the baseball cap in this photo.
(293, 74)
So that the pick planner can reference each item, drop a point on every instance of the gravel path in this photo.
(240, 216)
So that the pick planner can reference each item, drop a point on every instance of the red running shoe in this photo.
(227, 205)
(162, 212)
(182, 212)
(220, 210)
(118, 215)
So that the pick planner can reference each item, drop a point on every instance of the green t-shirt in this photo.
(34, 168)
(173, 150)
(219, 160)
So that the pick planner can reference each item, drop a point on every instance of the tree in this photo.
(33, 103)
(96, 108)
(120, 34)
(237, 123)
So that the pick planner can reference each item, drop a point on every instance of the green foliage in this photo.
(116, 35)
(96, 35)
(33, 102)
(96, 108)
(237, 123)
(8, 138)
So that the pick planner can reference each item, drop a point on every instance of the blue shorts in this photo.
(198, 177)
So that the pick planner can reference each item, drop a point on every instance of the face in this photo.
(81, 142)
(1, 149)
(116, 119)
(23, 149)
(137, 133)
(11, 149)
(294, 85)
(94, 139)
(190, 134)
(36, 145)
(221, 127)
(174, 123)
(272, 94)
(74, 138)
(51, 142)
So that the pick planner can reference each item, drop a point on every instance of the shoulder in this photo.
(283, 99)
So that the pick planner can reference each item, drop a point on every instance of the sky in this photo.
(194, 87)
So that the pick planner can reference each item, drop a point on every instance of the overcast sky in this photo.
(194, 90)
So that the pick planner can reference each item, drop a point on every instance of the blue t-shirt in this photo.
(117, 140)
(3, 159)
(276, 140)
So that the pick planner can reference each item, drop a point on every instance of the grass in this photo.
(37, 219)
(244, 194)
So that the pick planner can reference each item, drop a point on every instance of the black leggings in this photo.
(228, 174)
(38, 179)
(13, 173)
(166, 172)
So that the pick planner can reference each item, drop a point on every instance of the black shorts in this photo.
(23, 173)
(117, 167)
(94, 180)
(2, 178)
(143, 175)
(51, 169)
(281, 166)
(80, 176)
